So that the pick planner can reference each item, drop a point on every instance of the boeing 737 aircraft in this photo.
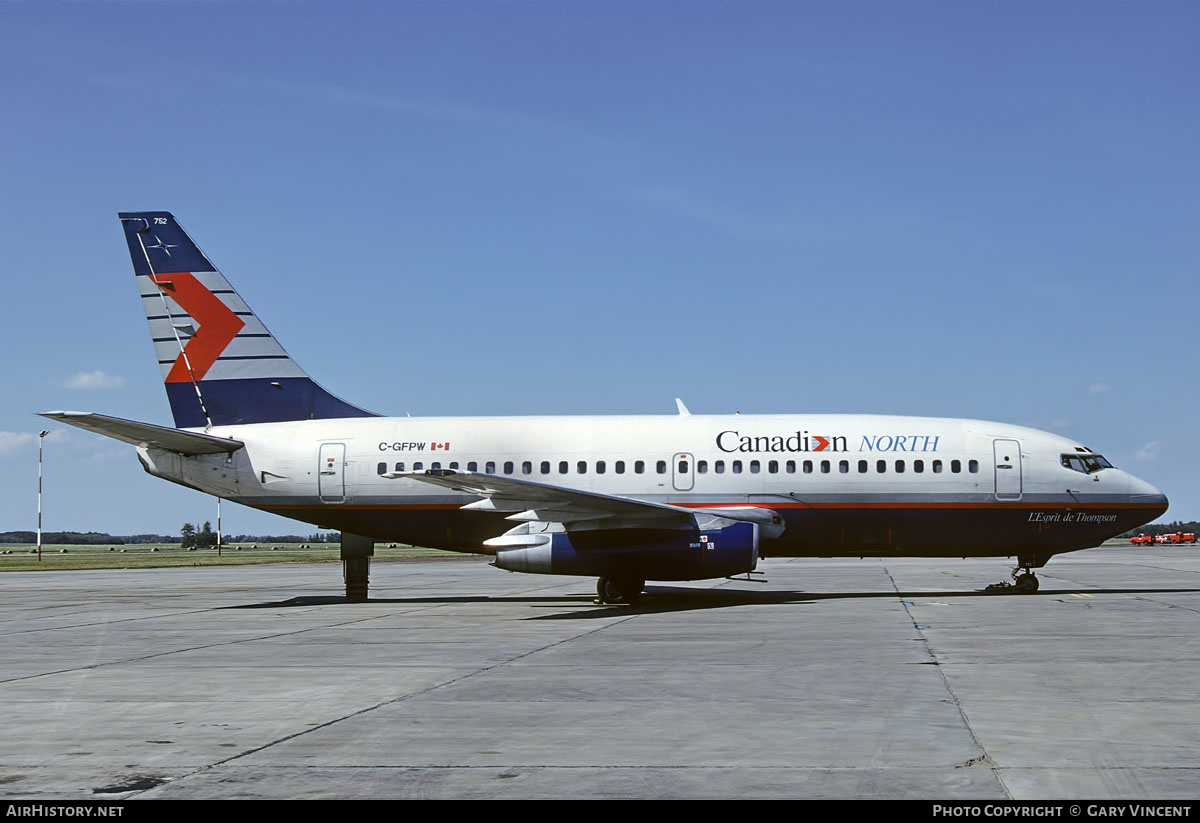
(623, 499)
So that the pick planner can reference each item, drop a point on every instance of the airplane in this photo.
(624, 499)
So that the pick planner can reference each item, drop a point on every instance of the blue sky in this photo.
(471, 208)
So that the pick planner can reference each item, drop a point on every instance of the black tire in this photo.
(1028, 584)
(632, 589)
(607, 590)
(611, 590)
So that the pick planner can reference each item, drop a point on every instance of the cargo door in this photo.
(331, 477)
(1008, 469)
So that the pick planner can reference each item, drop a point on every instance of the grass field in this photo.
(162, 555)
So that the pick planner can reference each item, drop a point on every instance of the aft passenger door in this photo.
(331, 476)
(683, 471)
(1008, 469)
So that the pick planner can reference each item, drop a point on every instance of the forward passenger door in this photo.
(1008, 469)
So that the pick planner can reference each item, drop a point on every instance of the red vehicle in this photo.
(1142, 538)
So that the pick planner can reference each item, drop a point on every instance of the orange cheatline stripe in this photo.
(999, 504)
(780, 505)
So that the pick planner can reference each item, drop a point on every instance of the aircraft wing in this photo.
(577, 509)
(555, 504)
(146, 434)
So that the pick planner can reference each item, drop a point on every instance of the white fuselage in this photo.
(843, 484)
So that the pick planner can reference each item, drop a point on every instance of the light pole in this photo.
(41, 437)
(218, 527)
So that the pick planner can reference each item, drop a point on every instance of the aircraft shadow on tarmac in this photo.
(668, 599)
(659, 599)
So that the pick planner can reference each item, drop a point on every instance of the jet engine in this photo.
(649, 554)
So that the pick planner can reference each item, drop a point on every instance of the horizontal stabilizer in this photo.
(146, 434)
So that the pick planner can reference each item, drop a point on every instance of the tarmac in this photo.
(875, 678)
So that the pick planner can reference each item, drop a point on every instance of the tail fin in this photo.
(219, 363)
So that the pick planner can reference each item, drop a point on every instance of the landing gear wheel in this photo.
(622, 590)
(1026, 584)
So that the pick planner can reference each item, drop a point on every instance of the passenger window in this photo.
(737, 466)
(661, 465)
(955, 466)
(508, 467)
(755, 467)
(399, 467)
(600, 467)
(790, 466)
(973, 466)
(844, 467)
(702, 466)
(881, 466)
(454, 465)
(824, 467)
(527, 467)
(937, 466)
(639, 466)
(683, 467)
(472, 466)
(490, 467)
(562, 467)
(862, 466)
(581, 467)
(418, 466)
(719, 467)
(899, 467)
(918, 466)
(620, 467)
(773, 467)
(381, 468)
(545, 467)
(808, 467)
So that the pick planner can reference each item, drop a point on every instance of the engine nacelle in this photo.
(648, 554)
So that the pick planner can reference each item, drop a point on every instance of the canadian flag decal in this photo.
(442, 446)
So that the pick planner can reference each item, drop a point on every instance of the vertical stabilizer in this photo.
(219, 363)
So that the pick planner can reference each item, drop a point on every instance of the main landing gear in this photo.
(1024, 580)
(619, 590)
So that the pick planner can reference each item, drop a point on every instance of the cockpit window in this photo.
(1085, 463)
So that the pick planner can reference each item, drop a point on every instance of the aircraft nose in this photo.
(1142, 492)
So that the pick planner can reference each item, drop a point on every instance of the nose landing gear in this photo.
(1024, 580)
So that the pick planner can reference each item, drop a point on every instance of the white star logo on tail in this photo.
(159, 244)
